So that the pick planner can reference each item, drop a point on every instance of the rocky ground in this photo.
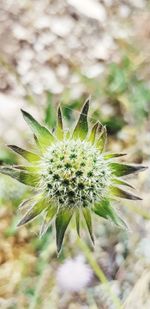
(54, 51)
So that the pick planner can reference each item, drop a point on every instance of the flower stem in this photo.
(139, 210)
(44, 276)
(98, 272)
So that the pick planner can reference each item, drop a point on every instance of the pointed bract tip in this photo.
(143, 168)
(59, 250)
(86, 107)
(10, 146)
(93, 241)
(140, 168)
(19, 223)
(22, 222)
(87, 103)
(88, 99)
(24, 113)
(59, 113)
(136, 198)
(100, 127)
(59, 107)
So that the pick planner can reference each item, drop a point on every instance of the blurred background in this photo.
(55, 51)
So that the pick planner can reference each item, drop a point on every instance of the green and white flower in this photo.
(71, 176)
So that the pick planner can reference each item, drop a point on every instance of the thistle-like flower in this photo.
(71, 175)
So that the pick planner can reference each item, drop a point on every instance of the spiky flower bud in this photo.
(71, 175)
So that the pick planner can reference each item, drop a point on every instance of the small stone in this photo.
(103, 48)
(93, 70)
(138, 3)
(42, 22)
(124, 11)
(62, 26)
(90, 8)
(20, 32)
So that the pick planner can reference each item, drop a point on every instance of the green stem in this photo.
(44, 276)
(140, 211)
(99, 273)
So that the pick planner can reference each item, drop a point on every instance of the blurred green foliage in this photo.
(124, 88)
(7, 157)
(11, 191)
(125, 80)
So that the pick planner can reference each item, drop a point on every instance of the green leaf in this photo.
(36, 140)
(23, 176)
(7, 157)
(105, 210)
(30, 169)
(45, 138)
(108, 156)
(88, 220)
(50, 111)
(92, 135)
(122, 182)
(101, 142)
(29, 156)
(62, 220)
(81, 128)
(36, 209)
(119, 169)
(51, 212)
(123, 194)
(37, 195)
(31, 201)
(117, 80)
(59, 127)
(25, 203)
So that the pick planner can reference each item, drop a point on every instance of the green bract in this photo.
(71, 175)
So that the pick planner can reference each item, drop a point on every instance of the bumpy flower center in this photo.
(74, 174)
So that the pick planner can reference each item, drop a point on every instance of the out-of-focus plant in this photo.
(11, 193)
(10, 190)
(70, 175)
(124, 84)
(124, 88)
(7, 157)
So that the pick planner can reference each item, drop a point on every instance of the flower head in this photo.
(71, 175)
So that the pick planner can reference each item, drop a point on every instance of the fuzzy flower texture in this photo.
(74, 275)
(71, 175)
